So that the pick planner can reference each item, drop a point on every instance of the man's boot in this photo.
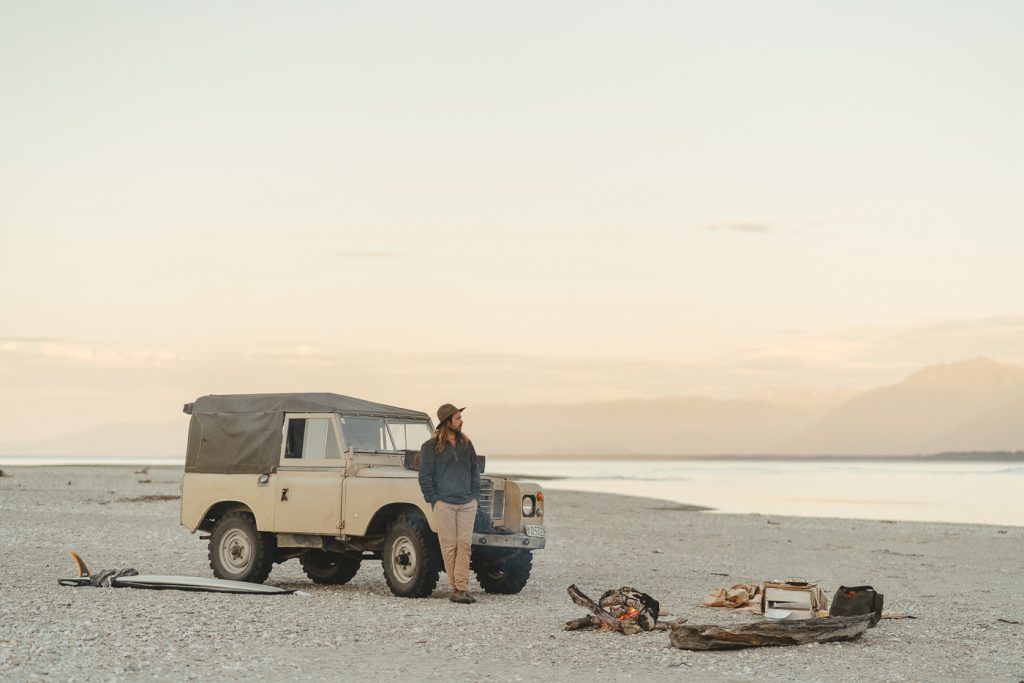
(461, 597)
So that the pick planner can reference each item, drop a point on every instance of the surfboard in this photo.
(195, 583)
(183, 583)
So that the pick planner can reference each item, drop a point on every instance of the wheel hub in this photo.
(236, 551)
(404, 561)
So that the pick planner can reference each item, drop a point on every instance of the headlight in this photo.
(528, 506)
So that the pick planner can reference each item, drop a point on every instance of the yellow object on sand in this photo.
(79, 564)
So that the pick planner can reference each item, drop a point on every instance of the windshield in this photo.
(409, 435)
(381, 434)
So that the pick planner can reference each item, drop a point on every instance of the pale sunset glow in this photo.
(503, 204)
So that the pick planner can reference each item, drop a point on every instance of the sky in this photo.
(501, 202)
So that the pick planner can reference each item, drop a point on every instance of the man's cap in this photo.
(445, 412)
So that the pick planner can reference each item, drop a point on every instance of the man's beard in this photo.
(457, 430)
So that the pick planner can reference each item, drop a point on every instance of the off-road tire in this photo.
(410, 558)
(239, 551)
(506, 578)
(329, 568)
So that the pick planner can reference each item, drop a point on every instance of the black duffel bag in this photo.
(411, 460)
(852, 601)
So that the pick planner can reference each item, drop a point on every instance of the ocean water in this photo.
(976, 493)
(959, 492)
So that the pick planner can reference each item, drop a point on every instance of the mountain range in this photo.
(965, 406)
(975, 405)
(972, 405)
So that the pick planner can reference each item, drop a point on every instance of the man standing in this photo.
(450, 480)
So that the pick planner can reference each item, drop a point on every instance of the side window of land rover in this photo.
(311, 438)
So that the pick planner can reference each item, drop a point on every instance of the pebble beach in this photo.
(959, 583)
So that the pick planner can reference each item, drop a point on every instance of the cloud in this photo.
(808, 351)
(366, 254)
(748, 228)
(874, 355)
(89, 355)
(30, 340)
(75, 352)
(850, 358)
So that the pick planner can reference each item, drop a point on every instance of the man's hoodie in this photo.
(451, 475)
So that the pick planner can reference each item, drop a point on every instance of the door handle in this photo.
(284, 495)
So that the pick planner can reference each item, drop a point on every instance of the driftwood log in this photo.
(768, 633)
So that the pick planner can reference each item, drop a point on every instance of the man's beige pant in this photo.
(455, 532)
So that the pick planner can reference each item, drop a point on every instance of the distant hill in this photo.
(942, 407)
(691, 425)
(997, 430)
(114, 439)
(978, 456)
(975, 405)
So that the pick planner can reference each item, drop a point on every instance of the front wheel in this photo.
(507, 577)
(409, 558)
(239, 551)
(329, 568)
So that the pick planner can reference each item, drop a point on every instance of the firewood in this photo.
(629, 603)
(582, 623)
(769, 633)
(604, 617)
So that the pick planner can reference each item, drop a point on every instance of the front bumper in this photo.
(518, 541)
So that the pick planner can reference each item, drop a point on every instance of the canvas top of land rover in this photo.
(329, 480)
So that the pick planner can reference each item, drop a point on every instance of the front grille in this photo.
(499, 505)
(492, 502)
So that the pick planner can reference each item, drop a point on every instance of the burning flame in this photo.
(628, 614)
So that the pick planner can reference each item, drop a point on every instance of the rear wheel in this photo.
(329, 568)
(239, 551)
(506, 577)
(410, 558)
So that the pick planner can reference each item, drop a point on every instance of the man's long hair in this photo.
(443, 432)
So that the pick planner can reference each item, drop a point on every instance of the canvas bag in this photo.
(852, 601)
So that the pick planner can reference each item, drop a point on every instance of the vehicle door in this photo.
(309, 476)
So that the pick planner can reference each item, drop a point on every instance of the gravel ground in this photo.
(960, 581)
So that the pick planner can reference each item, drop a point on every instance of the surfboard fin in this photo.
(83, 570)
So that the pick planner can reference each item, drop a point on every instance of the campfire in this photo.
(623, 610)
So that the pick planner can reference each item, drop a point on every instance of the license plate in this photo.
(535, 530)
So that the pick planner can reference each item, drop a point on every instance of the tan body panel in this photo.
(200, 492)
(514, 492)
(373, 488)
(321, 500)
